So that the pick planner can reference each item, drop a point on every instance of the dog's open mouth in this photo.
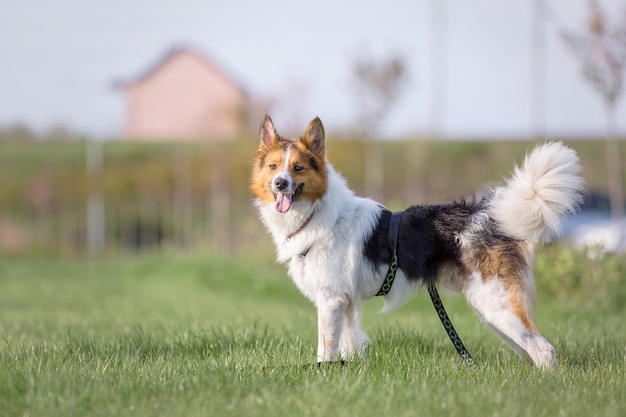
(284, 200)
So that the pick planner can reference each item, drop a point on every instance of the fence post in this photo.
(220, 198)
(95, 200)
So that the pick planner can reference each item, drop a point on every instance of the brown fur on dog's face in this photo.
(305, 166)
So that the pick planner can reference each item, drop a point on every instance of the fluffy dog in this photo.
(338, 253)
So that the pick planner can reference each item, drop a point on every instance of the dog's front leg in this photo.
(329, 326)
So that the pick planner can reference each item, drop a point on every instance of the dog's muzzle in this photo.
(285, 193)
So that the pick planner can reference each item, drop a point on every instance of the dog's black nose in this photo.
(280, 183)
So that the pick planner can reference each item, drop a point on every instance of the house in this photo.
(184, 96)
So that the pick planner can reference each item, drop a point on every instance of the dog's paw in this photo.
(325, 364)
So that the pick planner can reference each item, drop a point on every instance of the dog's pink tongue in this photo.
(283, 202)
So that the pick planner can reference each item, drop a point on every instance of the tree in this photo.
(602, 52)
(377, 86)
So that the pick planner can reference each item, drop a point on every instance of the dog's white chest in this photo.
(303, 275)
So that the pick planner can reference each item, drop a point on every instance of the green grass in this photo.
(201, 335)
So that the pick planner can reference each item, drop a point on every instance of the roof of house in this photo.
(170, 55)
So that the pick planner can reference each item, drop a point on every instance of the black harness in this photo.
(394, 229)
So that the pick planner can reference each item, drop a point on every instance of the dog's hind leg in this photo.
(506, 306)
(353, 340)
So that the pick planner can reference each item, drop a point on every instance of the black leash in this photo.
(394, 229)
(447, 324)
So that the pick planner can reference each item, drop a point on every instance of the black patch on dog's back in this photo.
(427, 239)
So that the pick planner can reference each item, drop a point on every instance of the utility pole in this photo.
(538, 71)
(438, 66)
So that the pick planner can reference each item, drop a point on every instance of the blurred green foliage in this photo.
(44, 185)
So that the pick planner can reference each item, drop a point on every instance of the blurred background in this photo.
(130, 125)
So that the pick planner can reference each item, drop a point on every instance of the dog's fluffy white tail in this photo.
(533, 203)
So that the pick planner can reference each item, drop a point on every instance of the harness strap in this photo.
(394, 228)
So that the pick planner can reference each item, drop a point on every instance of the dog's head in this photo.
(288, 171)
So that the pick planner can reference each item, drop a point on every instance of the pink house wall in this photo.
(185, 97)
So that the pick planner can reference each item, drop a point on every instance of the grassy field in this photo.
(199, 335)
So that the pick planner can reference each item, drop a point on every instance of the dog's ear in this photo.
(267, 133)
(314, 136)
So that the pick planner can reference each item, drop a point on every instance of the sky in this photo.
(470, 62)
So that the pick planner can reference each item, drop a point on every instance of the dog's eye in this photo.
(298, 168)
(272, 166)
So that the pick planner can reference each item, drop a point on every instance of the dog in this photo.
(336, 247)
